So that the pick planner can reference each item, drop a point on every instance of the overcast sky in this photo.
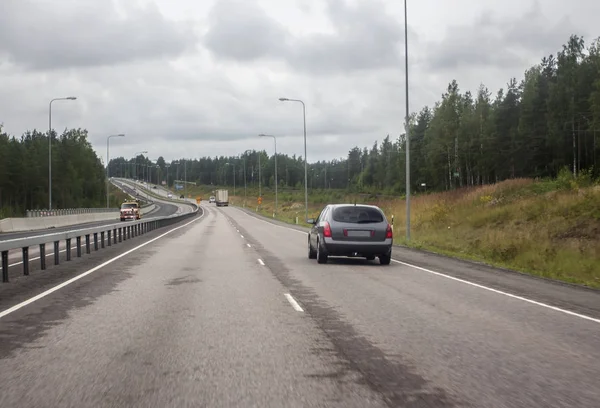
(191, 78)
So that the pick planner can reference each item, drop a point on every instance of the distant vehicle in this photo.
(350, 230)
(170, 195)
(153, 186)
(182, 196)
(130, 210)
(212, 199)
(222, 199)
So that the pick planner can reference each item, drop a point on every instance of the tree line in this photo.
(78, 178)
(532, 128)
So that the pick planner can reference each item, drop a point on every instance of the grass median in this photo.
(548, 228)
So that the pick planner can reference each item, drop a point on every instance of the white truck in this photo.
(222, 198)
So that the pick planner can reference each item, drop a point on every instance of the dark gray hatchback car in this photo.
(350, 230)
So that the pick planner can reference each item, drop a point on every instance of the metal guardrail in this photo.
(67, 211)
(105, 235)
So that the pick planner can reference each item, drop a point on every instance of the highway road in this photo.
(162, 208)
(226, 310)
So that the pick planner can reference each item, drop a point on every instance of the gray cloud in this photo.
(502, 42)
(216, 102)
(43, 35)
(241, 30)
(365, 37)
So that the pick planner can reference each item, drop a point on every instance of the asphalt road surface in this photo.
(162, 208)
(227, 310)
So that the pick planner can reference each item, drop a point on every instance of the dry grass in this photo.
(546, 228)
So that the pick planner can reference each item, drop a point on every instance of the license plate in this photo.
(361, 234)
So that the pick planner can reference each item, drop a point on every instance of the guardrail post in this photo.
(95, 241)
(114, 236)
(125, 233)
(78, 244)
(109, 237)
(43, 256)
(56, 252)
(87, 243)
(4, 266)
(68, 245)
(25, 260)
(102, 239)
(120, 234)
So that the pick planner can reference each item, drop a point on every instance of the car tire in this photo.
(312, 254)
(321, 255)
(370, 258)
(385, 259)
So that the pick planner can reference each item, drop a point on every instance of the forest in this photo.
(78, 179)
(532, 128)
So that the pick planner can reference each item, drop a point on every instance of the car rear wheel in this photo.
(321, 255)
(312, 254)
(386, 258)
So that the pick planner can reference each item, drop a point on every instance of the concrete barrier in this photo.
(40, 223)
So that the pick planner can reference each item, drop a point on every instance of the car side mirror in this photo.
(311, 221)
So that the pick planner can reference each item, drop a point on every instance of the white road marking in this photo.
(94, 269)
(260, 261)
(524, 299)
(293, 302)
(499, 292)
(242, 236)
(248, 245)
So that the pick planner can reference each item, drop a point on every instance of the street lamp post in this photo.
(108, 164)
(275, 141)
(232, 164)
(68, 98)
(167, 166)
(407, 124)
(136, 164)
(305, 159)
(245, 188)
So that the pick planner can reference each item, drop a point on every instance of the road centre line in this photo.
(94, 269)
(248, 245)
(293, 302)
(466, 282)
(260, 261)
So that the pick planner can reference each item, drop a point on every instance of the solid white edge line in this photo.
(558, 309)
(293, 302)
(260, 261)
(94, 269)
(499, 292)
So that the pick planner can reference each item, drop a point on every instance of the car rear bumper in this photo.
(345, 248)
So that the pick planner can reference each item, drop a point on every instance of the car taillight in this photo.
(326, 230)
(388, 232)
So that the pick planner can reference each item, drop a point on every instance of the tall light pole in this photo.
(108, 164)
(167, 166)
(275, 141)
(136, 165)
(407, 124)
(68, 98)
(305, 159)
(245, 189)
(232, 164)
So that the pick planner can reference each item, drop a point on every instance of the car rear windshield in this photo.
(127, 206)
(357, 215)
